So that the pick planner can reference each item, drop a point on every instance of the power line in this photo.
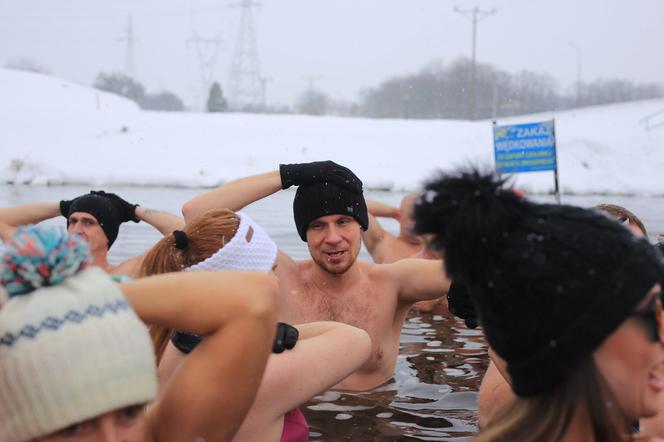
(475, 15)
(578, 72)
(264, 81)
(207, 50)
(130, 56)
(311, 80)
(245, 85)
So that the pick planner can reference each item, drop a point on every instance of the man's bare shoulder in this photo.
(396, 268)
(304, 264)
(379, 272)
(399, 249)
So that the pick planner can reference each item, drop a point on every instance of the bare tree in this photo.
(26, 64)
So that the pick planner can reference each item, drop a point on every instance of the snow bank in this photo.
(56, 132)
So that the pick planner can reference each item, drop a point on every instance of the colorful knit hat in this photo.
(71, 347)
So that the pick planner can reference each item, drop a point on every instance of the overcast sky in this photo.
(349, 44)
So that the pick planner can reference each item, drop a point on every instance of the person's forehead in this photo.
(82, 215)
(332, 218)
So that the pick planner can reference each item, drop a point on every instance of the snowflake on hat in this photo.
(40, 257)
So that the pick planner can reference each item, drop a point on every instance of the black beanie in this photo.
(550, 282)
(327, 198)
(103, 209)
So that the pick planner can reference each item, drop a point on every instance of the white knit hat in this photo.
(70, 352)
(250, 249)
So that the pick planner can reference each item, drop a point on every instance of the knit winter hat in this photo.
(70, 349)
(550, 282)
(328, 198)
(250, 249)
(103, 209)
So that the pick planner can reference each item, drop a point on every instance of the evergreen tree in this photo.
(216, 101)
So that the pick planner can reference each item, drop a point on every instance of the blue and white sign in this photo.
(525, 147)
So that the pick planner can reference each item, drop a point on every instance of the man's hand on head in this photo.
(318, 172)
(127, 210)
(64, 207)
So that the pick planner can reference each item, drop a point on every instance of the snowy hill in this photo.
(56, 132)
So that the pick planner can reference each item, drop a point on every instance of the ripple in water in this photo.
(433, 396)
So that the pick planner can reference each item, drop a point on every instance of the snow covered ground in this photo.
(56, 132)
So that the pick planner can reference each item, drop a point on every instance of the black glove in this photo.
(318, 172)
(64, 207)
(286, 338)
(659, 246)
(460, 304)
(127, 210)
(186, 342)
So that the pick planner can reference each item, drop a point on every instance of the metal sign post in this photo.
(527, 147)
(555, 159)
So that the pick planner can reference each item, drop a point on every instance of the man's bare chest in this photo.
(367, 307)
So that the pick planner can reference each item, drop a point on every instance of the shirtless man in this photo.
(97, 217)
(386, 248)
(330, 213)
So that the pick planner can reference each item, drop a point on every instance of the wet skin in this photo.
(334, 242)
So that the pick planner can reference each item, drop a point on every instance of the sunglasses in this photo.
(651, 316)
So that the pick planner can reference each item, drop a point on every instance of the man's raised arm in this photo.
(374, 237)
(419, 279)
(25, 214)
(379, 208)
(165, 222)
(233, 195)
(241, 192)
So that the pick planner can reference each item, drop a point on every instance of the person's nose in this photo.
(332, 236)
(108, 431)
(76, 227)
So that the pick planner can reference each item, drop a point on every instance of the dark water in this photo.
(433, 393)
(433, 396)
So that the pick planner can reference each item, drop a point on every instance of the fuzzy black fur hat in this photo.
(550, 282)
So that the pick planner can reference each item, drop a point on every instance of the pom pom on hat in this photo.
(41, 257)
(71, 347)
(550, 282)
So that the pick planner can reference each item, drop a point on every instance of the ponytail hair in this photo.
(205, 235)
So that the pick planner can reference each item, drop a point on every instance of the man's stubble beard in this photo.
(320, 263)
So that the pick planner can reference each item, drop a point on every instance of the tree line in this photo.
(443, 91)
(437, 91)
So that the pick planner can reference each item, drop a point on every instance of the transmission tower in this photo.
(311, 80)
(475, 15)
(207, 50)
(264, 81)
(130, 57)
(245, 84)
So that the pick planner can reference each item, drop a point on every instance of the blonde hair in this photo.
(621, 214)
(206, 234)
